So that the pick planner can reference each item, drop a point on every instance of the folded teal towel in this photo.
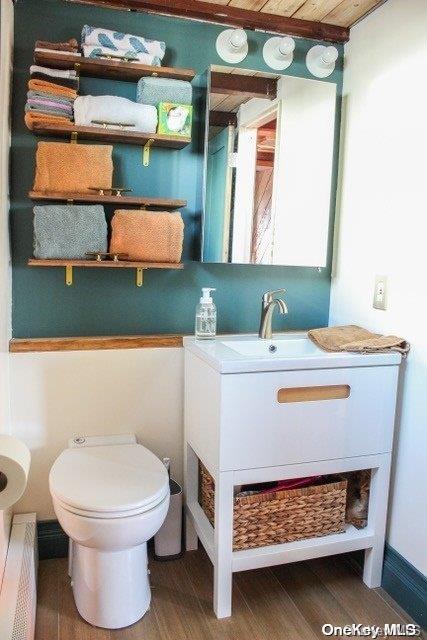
(69, 231)
(154, 90)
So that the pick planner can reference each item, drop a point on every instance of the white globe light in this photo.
(278, 52)
(232, 45)
(238, 38)
(321, 60)
(329, 56)
(286, 46)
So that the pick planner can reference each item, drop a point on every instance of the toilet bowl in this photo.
(110, 497)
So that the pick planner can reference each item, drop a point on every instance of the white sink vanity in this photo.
(267, 410)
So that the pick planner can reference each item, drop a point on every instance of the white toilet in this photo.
(110, 495)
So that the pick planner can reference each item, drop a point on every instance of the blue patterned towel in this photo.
(155, 90)
(118, 42)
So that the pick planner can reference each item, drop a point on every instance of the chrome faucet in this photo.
(269, 303)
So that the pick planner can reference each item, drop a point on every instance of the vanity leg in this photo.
(223, 539)
(191, 474)
(191, 539)
(377, 518)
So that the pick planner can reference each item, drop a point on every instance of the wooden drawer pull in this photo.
(310, 394)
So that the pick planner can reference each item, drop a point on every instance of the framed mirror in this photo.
(269, 147)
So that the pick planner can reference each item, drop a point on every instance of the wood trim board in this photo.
(230, 15)
(94, 343)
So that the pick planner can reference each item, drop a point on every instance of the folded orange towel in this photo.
(148, 236)
(353, 338)
(32, 117)
(50, 87)
(71, 168)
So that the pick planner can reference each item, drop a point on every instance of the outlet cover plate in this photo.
(380, 293)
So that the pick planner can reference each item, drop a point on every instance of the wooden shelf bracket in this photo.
(69, 275)
(139, 277)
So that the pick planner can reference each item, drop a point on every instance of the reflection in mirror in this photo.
(268, 168)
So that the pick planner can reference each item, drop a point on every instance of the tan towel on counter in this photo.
(71, 168)
(353, 338)
(148, 236)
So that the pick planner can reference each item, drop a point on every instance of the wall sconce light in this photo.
(279, 52)
(232, 45)
(321, 60)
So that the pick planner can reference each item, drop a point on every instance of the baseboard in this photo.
(405, 584)
(52, 540)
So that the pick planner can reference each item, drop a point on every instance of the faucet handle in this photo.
(269, 295)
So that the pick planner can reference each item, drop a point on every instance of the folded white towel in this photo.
(94, 51)
(115, 110)
(55, 73)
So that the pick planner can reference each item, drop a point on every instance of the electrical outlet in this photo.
(380, 293)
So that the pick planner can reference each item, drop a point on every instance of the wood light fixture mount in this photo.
(231, 16)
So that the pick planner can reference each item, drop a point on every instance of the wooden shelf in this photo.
(161, 203)
(110, 135)
(69, 265)
(104, 68)
(109, 264)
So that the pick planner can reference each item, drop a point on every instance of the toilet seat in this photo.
(110, 481)
(110, 514)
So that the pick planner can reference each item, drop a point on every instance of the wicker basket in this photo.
(283, 516)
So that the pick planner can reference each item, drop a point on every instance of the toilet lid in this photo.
(109, 478)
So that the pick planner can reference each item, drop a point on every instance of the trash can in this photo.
(168, 540)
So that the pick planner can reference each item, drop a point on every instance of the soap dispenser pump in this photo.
(205, 328)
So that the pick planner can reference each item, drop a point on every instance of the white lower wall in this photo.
(56, 396)
(382, 229)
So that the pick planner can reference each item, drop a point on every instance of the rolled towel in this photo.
(54, 73)
(115, 110)
(73, 168)
(69, 231)
(148, 236)
(95, 51)
(51, 87)
(116, 41)
(155, 90)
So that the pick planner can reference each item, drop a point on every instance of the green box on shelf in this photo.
(175, 119)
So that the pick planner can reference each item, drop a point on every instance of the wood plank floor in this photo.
(290, 602)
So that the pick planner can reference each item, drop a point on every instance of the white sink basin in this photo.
(274, 348)
(284, 352)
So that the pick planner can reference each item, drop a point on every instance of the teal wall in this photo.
(107, 302)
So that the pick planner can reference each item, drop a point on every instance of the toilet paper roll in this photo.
(15, 461)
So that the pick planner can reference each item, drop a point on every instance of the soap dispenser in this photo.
(206, 316)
